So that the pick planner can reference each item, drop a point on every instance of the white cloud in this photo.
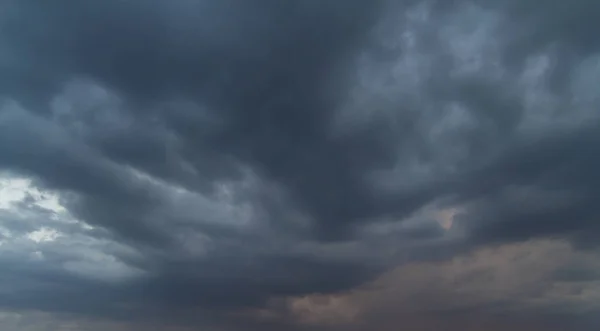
(25, 206)
(44, 235)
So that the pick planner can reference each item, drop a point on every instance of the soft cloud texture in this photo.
(328, 165)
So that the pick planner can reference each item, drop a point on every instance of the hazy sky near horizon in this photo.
(330, 165)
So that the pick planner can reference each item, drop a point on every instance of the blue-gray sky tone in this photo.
(329, 165)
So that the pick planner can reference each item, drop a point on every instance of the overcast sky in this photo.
(327, 165)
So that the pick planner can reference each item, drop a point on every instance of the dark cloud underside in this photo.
(233, 158)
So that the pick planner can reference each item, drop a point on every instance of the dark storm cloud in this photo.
(258, 70)
(252, 150)
(545, 189)
(262, 74)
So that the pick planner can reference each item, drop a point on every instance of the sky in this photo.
(326, 165)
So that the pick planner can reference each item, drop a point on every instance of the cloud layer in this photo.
(331, 165)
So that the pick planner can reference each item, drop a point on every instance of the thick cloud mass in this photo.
(323, 165)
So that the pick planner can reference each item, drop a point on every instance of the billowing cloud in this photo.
(273, 164)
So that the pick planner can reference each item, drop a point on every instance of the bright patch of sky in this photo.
(14, 190)
(43, 235)
(36, 227)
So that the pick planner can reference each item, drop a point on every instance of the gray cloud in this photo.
(217, 158)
